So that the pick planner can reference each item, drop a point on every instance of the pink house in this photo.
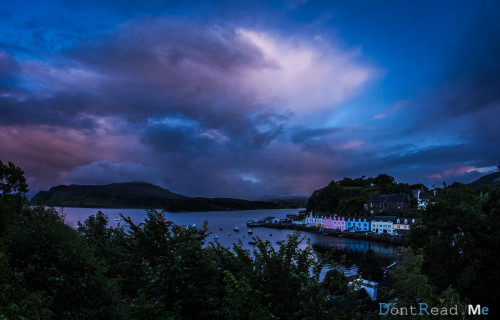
(328, 223)
(335, 222)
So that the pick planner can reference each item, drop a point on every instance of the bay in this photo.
(228, 220)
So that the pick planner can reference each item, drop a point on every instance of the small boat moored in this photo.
(236, 229)
(118, 219)
(250, 231)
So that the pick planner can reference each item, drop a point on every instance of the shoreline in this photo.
(397, 240)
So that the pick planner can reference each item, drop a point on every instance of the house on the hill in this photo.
(388, 202)
(423, 197)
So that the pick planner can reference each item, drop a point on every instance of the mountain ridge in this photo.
(140, 195)
(492, 179)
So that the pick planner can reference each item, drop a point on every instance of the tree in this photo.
(369, 266)
(12, 179)
(411, 286)
(12, 188)
(458, 239)
(335, 282)
(384, 180)
(175, 270)
(51, 257)
(18, 303)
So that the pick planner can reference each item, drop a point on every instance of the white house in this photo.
(382, 224)
(423, 197)
(313, 221)
(370, 287)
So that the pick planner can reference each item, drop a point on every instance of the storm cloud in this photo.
(230, 105)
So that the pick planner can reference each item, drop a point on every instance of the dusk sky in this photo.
(251, 99)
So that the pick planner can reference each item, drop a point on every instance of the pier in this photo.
(330, 232)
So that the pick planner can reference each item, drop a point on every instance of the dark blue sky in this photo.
(249, 99)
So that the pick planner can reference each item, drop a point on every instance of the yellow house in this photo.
(402, 225)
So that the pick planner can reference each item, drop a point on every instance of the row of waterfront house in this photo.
(377, 224)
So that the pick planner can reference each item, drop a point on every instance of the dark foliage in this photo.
(458, 239)
(158, 270)
(348, 196)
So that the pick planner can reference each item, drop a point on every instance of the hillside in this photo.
(139, 195)
(299, 201)
(492, 179)
(348, 196)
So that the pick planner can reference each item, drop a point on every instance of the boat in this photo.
(118, 219)
(236, 229)
(220, 229)
(250, 231)
(229, 233)
(194, 226)
(216, 237)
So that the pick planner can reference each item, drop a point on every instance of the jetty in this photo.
(369, 236)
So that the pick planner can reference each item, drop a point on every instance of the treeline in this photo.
(454, 250)
(221, 204)
(348, 196)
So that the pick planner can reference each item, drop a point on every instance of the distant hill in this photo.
(492, 179)
(139, 195)
(116, 195)
(288, 200)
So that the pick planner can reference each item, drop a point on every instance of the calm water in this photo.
(227, 220)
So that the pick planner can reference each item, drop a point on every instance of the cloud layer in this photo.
(223, 107)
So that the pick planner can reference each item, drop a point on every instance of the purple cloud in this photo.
(233, 108)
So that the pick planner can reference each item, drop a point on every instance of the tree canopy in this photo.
(159, 270)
